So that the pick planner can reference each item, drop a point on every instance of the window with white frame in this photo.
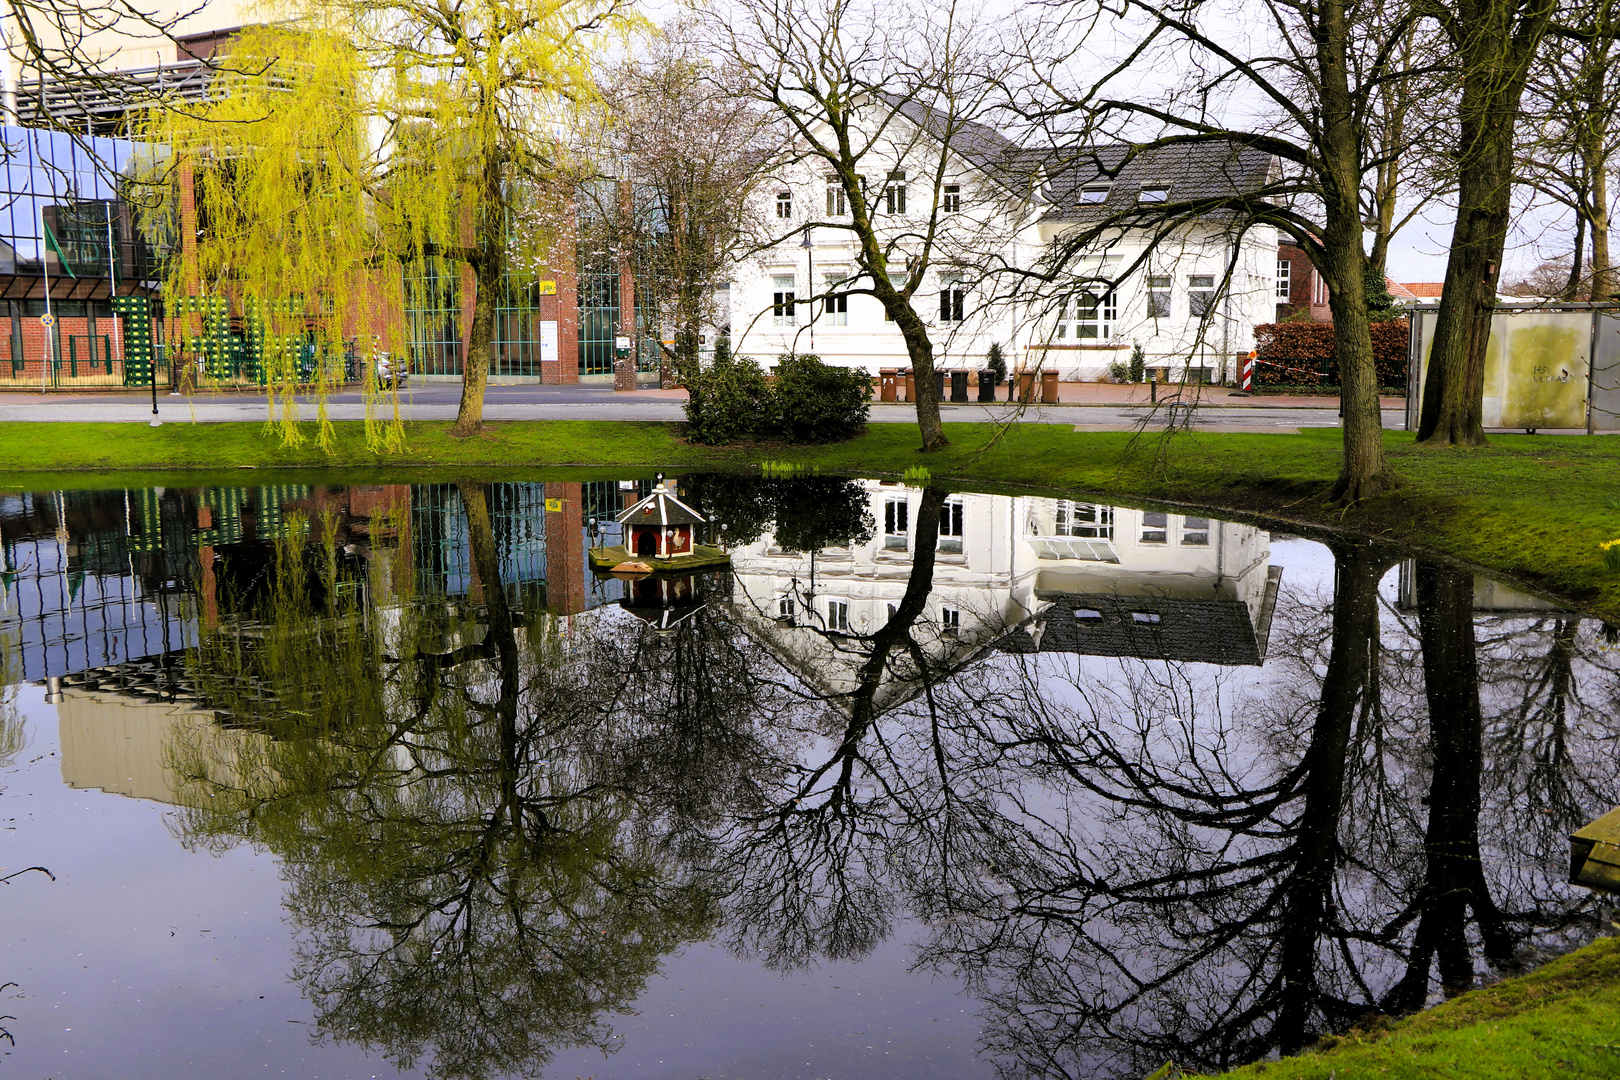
(952, 299)
(951, 203)
(835, 304)
(838, 615)
(896, 523)
(1285, 275)
(1094, 194)
(1088, 316)
(894, 192)
(1200, 294)
(1158, 297)
(950, 525)
(1154, 195)
(1155, 527)
(1083, 519)
(837, 205)
(950, 621)
(783, 306)
(1194, 532)
(784, 204)
(786, 609)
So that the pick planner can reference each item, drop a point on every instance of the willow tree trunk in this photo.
(489, 266)
(1494, 42)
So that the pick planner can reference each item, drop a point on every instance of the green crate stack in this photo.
(214, 344)
(139, 354)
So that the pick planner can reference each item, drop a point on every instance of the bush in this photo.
(1301, 353)
(814, 403)
(1138, 369)
(807, 402)
(724, 399)
(1118, 372)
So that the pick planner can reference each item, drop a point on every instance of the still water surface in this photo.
(380, 781)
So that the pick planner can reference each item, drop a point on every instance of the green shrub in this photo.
(724, 399)
(1138, 362)
(1119, 372)
(815, 403)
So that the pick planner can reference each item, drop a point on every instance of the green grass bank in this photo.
(1560, 1020)
(1529, 507)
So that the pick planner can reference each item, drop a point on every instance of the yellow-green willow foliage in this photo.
(365, 156)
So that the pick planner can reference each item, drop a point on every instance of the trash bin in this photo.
(911, 384)
(939, 385)
(1026, 386)
(886, 383)
(959, 386)
(987, 385)
(1049, 390)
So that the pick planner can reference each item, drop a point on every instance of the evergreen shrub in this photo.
(816, 403)
(807, 401)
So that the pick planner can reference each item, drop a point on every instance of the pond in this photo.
(371, 781)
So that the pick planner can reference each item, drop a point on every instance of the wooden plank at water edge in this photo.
(1594, 853)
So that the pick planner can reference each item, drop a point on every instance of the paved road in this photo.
(531, 402)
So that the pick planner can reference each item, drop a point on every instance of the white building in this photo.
(1190, 297)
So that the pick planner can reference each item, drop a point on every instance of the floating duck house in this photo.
(660, 526)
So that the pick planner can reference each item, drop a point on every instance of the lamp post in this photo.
(810, 283)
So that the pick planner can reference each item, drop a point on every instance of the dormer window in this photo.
(1094, 195)
(1154, 195)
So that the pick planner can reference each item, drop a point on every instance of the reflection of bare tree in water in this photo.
(811, 872)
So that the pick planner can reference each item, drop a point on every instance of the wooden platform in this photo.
(1594, 853)
(703, 557)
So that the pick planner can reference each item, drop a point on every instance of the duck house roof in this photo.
(660, 508)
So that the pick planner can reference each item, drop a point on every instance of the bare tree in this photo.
(883, 106)
(1324, 71)
(693, 146)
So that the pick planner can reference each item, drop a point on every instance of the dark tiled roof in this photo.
(1207, 631)
(1190, 172)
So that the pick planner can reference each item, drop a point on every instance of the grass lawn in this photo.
(1529, 507)
(1561, 1020)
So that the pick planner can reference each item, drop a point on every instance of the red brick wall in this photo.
(565, 550)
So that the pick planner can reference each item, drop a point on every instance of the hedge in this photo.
(1301, 353)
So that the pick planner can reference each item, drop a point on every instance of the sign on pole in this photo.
(47, 320)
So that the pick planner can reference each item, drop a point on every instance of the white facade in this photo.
(786, 297)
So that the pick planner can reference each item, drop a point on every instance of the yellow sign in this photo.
(554, 506)
(548, 288)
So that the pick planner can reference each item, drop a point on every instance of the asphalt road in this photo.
(437, 401)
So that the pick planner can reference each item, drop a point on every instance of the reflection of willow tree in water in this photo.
(467, 886)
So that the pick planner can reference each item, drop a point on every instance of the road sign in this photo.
(47, 320)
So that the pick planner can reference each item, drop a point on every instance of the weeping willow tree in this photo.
(371, 156)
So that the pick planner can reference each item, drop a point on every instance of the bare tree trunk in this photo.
(1364, 470)
(1572, 285)
(1604, 281)
(1494, 41)
(920, 350)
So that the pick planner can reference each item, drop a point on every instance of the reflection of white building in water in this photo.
(1026, 574)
